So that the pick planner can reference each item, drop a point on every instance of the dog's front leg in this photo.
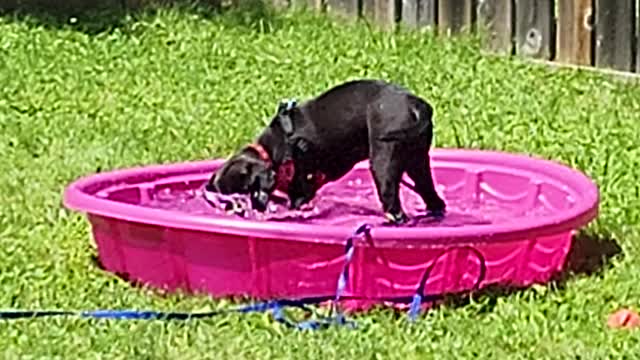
(387, 166)
(301, 192)
(419, 170)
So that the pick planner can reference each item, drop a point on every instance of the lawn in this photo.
(186, 84)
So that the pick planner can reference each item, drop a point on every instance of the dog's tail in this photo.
(422, 114)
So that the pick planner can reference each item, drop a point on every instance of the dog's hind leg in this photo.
(387, 166)
(419, 170)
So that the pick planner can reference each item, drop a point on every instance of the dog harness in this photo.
(286, 170)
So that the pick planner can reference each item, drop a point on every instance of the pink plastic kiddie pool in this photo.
(510, 221)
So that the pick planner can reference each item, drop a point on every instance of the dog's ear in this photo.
(286, 123)
(245, 169)
(240, 171)
(282, 106)
(211, 184)
(286, 105)
(285, 110)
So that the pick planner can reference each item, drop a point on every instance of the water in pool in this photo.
(350, 202)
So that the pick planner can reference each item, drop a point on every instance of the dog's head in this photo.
(245, 173)
(250, 171)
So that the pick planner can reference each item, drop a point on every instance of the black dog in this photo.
(310, 144)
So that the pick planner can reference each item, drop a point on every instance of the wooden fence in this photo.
(596, 34)
(591, 33)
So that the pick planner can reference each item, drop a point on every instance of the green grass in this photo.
(181, 84)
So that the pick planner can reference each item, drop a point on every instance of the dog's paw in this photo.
(396, 219)
(437, 214)
(297, 203)
(436, 205)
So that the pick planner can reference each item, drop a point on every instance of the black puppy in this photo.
(320, 140)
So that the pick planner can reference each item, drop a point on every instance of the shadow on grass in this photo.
(95, 260)
(108, 15)
(589, 255)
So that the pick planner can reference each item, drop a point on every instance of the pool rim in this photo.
(582, 213)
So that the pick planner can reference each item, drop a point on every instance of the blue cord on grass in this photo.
(276, 307)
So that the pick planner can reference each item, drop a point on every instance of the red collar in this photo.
(286, 170)
(264, 155)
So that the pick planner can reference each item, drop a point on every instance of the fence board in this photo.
(455, 15)
(575, 31)
(410, 13)
(386, 13)
(534, 25)
(348, 9)
(369, 9)
(614, 32)
(308, 4)
(418, 13)
(280, 4)
(427, 10)
(382, 12)
(496, 18)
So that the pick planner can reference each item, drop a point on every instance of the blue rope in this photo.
(338, 318)
(419, 297)
(276, 307)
